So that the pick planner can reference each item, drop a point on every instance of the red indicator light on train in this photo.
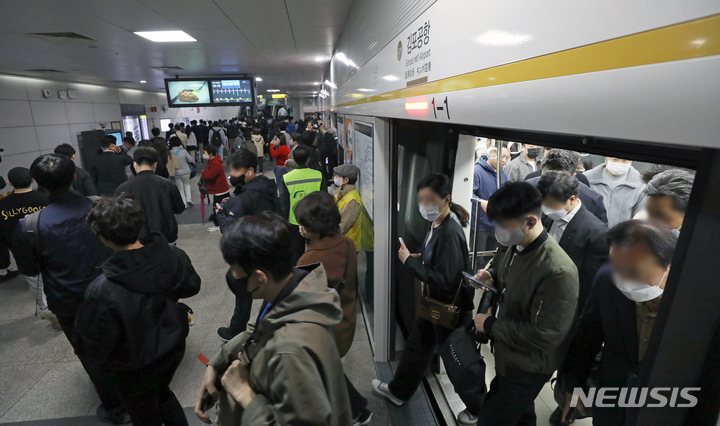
(416, 106)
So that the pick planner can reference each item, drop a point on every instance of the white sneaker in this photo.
(54, 322)
(466, 418)
(381, 388)
(213, 229)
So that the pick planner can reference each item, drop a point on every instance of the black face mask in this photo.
(533, 152)
(237, 181)
(239, 286)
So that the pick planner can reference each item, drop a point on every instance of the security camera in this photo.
(103, 125)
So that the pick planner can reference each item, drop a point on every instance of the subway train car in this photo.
(414, 86)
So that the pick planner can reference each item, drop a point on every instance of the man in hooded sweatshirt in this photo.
(253, 194)
(287, 370)
(130, 324)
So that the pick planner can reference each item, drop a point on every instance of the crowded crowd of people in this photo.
(581, 258)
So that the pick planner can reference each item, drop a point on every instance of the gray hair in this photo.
(561, 160)
(674, 183)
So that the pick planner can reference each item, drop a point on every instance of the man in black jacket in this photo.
(580, 234)
(620, 313)
(108, 168)
(68, 254)
(130, 324)
(159, 198)
(83, 181)
(253, 194)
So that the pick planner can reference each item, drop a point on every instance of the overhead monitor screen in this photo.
(188, 92)
(231, 91)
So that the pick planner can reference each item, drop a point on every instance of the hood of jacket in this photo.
(150, 269)
(485, 166)
(311, 302)
(262, 184)
(257, 138)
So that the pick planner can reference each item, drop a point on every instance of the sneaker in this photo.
(466, 418)
(120, 418)
(190, 203)
(364, 418)
(191, 321)
(8, 276)
(381, 388)
(213, 229)
(54, 322)
(225, 334)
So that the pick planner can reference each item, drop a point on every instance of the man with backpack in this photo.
(40, 245)
(218, 138)
(232, 135)
(253, 194)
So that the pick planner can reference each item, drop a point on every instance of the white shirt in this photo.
(557, 229)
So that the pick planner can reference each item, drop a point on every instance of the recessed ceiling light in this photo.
(165, 36)
(317, 83)
(366, 90)
(391, 78)
(331, 84)
(143, 81)
(258, 79)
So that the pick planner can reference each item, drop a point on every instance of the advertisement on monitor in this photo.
(188, 92)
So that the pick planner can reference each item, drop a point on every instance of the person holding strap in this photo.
(440, 266)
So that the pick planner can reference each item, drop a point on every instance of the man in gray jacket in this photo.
(621, 186)
(527, 162)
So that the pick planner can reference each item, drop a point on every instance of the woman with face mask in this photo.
(348, 201)
(440, 266)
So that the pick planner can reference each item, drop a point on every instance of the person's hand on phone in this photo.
(235, 382)
(484, 277)
(208, 384)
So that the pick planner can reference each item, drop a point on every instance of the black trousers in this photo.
(241, 316)
(297, 243)
(105, 385)
(358, 403)
(511, 399)
(421, 345)
(147, 394)
(4, 254)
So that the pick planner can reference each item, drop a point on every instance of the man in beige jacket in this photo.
(286, 369)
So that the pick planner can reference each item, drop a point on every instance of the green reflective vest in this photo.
(300, 182)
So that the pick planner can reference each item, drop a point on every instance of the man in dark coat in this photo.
(108, 168)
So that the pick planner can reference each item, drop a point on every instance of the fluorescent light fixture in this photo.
(324, 92)
(501, 38)
(331, 84)
(345, 60)
(319, 58)
(143, 81)
(317, 83)
(165, 36)
(391, 78)
(415, 106)
(278, 96)
(366, 90)
(258, 79)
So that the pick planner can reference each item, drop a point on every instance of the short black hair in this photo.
(107, 141)
(513, 201)
(558, 185)
(155, 131)
(117, 219)
(243, 159)
(560, 160)
(145, 142)
(655, 235)
(145, 156)
(53, 172)
(282, 126)
(20, 178)
(296, 136)
(171, 126)
(259, 242)
(174, 141)
(210, 149)
(301, 155)
(674, 183)
(318, 213)
(308, 137)
(129, 140)
(65, 149)
(587, 162)
(177, 127)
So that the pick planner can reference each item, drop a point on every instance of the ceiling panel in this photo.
(317, 35)
(323, 13)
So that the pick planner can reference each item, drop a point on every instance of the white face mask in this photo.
(338, 181)
(554, 214)
(205, 156)
(638, 291)
(676, 232)
(616, 168)
(430, 213)
(509, 238)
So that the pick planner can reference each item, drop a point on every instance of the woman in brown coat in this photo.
(319, 220)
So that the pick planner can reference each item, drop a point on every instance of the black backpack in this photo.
(217, 138)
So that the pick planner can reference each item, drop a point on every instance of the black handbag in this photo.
(461, 356)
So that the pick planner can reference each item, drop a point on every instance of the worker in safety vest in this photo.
(298, 183)
(349, 202)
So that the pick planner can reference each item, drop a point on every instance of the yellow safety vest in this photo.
(354, 233)
(299, 183)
